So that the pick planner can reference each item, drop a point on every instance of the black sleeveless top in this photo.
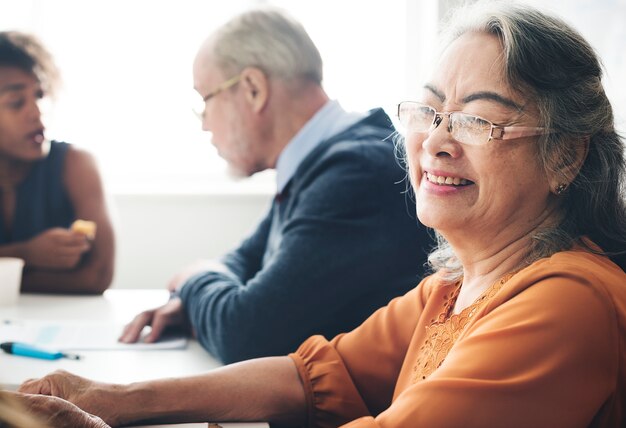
(42, 200)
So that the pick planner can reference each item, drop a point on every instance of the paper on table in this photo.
(78, 336)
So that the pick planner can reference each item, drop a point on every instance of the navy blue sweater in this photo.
(340, 242)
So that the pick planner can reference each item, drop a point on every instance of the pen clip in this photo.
(72, 356)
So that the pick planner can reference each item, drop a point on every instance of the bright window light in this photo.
(126, 67)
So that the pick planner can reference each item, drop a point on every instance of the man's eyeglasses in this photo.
(464, 128)
(199, 111)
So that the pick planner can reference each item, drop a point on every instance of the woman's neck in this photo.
(485, 262)
(487, 268)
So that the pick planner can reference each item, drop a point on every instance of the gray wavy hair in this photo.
(25, 52)
(552, 63)
(271, 40)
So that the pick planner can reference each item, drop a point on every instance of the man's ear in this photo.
(256, 86)
(566, 169)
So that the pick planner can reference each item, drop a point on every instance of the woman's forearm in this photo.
(89, 279)
(264, 389)
(12, 250)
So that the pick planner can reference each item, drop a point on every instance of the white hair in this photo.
(269, 39)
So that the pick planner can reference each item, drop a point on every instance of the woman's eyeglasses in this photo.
(464, 128)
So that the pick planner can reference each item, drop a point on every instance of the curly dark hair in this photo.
(25, 52)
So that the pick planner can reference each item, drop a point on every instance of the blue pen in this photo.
(26, 350)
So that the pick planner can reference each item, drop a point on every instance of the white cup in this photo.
(10, 280)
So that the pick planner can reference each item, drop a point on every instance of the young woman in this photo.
(46, 185)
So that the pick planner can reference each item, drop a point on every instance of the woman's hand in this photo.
(88, 395)
(56, 248)
(58, 413)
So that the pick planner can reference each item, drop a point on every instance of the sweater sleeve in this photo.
(354, 375)
(246, 260)
(331, 268)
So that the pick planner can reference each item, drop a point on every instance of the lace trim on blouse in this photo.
(444, 331)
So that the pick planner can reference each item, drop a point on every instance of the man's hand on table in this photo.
(170, 315)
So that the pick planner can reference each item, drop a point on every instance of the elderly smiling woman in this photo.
(515, 162)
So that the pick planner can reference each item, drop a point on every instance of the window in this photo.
(126, 67)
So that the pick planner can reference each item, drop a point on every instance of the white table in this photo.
(117, 307)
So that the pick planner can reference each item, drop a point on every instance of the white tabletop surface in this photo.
(123, 366)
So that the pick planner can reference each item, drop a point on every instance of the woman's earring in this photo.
(560, 188)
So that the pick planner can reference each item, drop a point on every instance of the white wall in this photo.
(158, 234)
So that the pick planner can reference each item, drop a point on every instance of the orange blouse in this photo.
(545, 347)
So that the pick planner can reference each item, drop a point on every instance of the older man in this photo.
(338, 241)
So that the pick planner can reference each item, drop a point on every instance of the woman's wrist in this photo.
(126, 404)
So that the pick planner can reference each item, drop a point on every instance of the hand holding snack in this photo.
(86, 227)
